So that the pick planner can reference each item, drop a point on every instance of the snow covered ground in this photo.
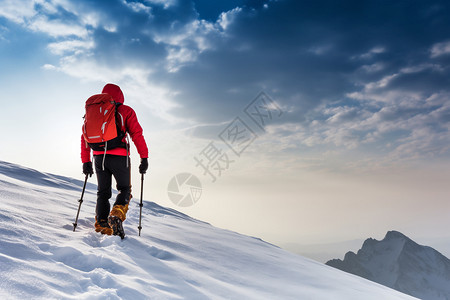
(176, 257)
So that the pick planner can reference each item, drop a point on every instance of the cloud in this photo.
(139, 7)
(3, 32)
(440, 49)
(371, 53)
(227, 18)
(211, 12)
(119, 41)
(349, 73)
(355, 74)
(71, 46)
(56, 28)
(17, 12)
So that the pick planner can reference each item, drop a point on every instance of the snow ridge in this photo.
(400, 263)
(176, 257)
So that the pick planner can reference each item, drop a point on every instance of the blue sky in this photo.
(363, 87)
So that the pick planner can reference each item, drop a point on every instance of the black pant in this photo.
(114, 165)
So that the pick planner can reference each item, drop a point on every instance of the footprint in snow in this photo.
(160, 254)
(78, 260)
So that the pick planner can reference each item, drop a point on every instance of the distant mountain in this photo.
(400, 263)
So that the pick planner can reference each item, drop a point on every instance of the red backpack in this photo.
(101, 129)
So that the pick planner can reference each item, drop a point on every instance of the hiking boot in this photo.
(116, 217)
(103, 227)
(119, 211)
(116, 225)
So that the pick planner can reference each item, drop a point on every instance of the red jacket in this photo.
(130, 125)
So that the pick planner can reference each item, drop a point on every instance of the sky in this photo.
(304, 121)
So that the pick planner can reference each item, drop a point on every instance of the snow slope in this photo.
(176, 257)
(400, 263)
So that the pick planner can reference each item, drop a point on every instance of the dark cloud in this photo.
(314, 54)
(59, 13)
(427, 81)
(117, 50)
(211, 10)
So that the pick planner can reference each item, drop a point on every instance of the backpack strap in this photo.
(120, 123)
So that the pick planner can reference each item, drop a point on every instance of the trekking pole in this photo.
(141, 204)
(81, 201)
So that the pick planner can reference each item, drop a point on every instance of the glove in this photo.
(143, 166)
(87, 168)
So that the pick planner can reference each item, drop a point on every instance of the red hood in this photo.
(114, 91)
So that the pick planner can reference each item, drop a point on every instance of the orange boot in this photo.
(119, 211)
(103, 227)
(116, 217)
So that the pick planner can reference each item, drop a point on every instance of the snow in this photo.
(176, 256)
